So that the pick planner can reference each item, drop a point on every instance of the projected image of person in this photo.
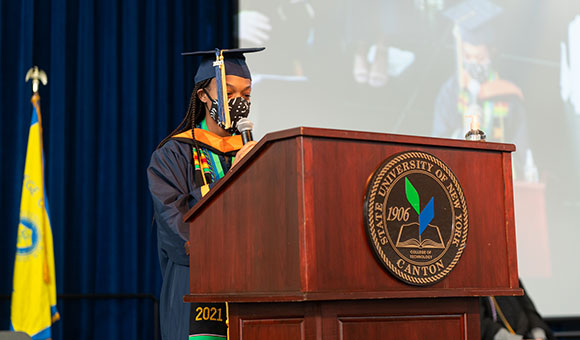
(186, 164)
(476, 88)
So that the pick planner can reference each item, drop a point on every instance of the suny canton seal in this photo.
(416, 217)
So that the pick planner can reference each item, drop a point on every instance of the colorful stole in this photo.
(215, 172)
(209, 168)
(494, 113)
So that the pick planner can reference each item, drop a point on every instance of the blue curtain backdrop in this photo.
(116, 86)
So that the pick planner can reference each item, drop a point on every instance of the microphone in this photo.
(245, 127)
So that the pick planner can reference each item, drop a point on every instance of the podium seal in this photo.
(416, 217)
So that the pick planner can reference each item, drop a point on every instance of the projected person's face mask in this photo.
(476, 61)
(477, 71)
(239, 108)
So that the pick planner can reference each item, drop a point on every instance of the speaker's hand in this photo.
(243, 151)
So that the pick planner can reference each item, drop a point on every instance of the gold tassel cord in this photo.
(501, 316)
(227, 122)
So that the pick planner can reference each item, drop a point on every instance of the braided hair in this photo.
(194, 115)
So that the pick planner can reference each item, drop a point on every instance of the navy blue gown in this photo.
(175, 188)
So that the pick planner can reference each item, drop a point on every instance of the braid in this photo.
(196, 118)
(192, 116)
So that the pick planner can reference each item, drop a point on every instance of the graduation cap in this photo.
(233, 60)
(219, 63)
(473, 17)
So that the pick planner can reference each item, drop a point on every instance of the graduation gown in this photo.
(176, 186)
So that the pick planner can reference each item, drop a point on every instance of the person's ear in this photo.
(202, 96)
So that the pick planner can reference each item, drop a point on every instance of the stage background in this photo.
(117, 85)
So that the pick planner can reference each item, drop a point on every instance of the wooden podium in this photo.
(281, 238)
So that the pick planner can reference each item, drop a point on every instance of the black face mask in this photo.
(479, 72)
(239, 108)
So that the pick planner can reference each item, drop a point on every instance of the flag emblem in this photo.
(27, 241)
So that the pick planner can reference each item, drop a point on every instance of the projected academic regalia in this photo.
(476, 88)
(184, 168)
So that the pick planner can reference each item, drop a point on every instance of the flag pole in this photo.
(39, 76)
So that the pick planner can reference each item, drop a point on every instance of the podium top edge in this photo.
(303, 131)
(324, 133)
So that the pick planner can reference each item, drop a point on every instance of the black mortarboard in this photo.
(473, 18)
(234, 60)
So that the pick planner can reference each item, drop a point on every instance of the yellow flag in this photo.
(34, 290)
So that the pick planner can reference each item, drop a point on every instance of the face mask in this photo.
(479, 72)
(239, 108)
